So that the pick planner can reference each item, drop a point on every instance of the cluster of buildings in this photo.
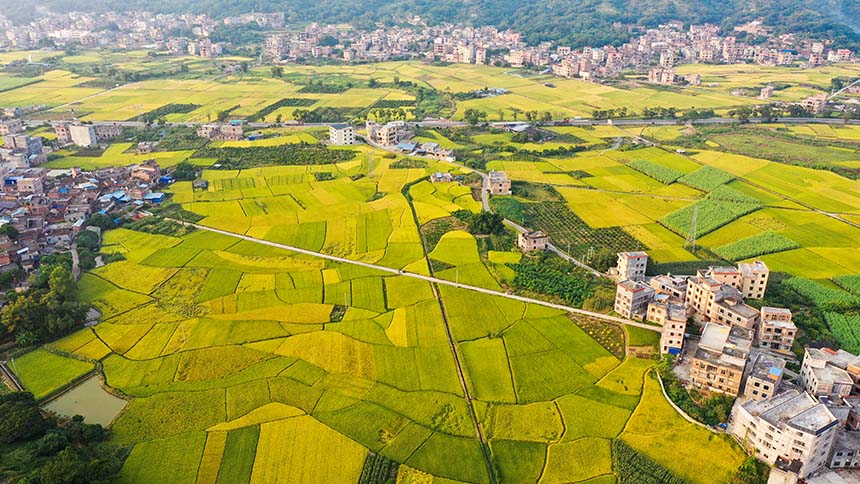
(47, 208)
(85, 135)
(231, 131)
(801, 424)
(415, 39)
(115, 30)
(805, 428)
(664, 47)
(19, 149)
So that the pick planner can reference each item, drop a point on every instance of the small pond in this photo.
(90, 400)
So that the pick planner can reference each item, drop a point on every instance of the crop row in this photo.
(849, 283)
(760, 244)
(711, 214)
(662, 174)
(822, 296)
(635, 468)
(567, 230)
(846, 330)
(706, 178)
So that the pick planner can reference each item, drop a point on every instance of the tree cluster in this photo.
(45, 311)
(40, 450)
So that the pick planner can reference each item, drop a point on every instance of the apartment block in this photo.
(499, 183)
(341, 134)
(11, 126)
(846, 451)
(632, 265)
(673, 318)
(83, 135)
(765, 375)
(829, 372)
(672, 286)
(754, 277)
(776, 331)
(388, 134)
(789, 427)
(632, 298)
(719, 363)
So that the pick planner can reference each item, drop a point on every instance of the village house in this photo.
(754, 278)
(232, 131)
(632, 298)
(672, 286)
(815, 104)
(776, 330)
(83, 135)
(388, 134)
(845, 453)
(789, 427)
(829, 372)
(719, 362)
(632, 265)
(499, 183)
(147, 172)
(341, 134)
(765, 375)
(108, 131)
(441, 177)
(673, 319)
(11, 126)
(532, 241)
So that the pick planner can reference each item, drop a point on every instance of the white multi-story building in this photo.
(828, 372)
(791, 426)
(341, 134)
(754, 277)
(776, 330)
(83, 135)
(632, 298)
(632, 265)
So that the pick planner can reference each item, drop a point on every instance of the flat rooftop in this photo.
(794, 409)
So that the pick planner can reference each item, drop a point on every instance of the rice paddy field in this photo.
(247, 363)
(244, 94)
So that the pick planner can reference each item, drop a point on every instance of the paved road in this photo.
(431, 279)
(444, 123)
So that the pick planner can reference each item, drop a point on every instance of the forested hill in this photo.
(574, 22)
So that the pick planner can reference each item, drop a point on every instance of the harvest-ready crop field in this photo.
(166, 80)
(248, 363)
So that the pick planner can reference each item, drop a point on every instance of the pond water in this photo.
(90, 400)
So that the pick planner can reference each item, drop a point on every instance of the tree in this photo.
(767, 113)
(300, 115)
(744, 113)
(243, 66)
(61, 282)
(88, 239)
(372, 83)
(279, 118)
(752, 471)
(474, 116)
(223, 116)
(10, 231)
(486, 223)
(277, 71)
(20, 417)
(185, 171)
(603, 259)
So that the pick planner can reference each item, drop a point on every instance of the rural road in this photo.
(444, 123)
(431, 279)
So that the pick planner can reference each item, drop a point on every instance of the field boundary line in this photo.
(431, 279)
(678, 409)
